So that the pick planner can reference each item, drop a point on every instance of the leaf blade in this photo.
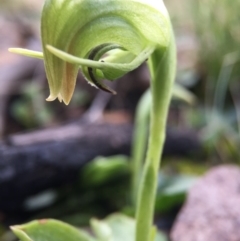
(49, 230)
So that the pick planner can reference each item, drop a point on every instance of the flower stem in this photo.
(140, 137)
(162, 69)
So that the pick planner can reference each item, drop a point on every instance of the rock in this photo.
(212, 209)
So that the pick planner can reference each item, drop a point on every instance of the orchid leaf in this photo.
(50, 230)
(116, 227)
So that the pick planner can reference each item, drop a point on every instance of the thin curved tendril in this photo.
(143, 56)
(26, 52)
(102, 65)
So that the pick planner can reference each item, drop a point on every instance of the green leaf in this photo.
(49, 230)
(116, 227)
(161, 237)
(102, 231)
(181, 93)
(172, 191)
(103, 169)
(121, 227)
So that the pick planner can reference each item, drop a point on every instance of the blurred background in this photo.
(72, 162)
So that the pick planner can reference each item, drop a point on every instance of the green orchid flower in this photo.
(106, 39)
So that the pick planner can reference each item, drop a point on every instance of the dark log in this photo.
(50, 158)
(30, 163)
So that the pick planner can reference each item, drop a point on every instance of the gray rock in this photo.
(212, 209)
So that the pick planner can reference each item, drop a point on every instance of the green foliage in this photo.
(140, 136)
(49, 229)
(172, 191)
(217, 28)
(30, 109)
(221, 133)
(104, 169)
(116, 227)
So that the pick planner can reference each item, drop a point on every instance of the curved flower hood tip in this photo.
(104, 38)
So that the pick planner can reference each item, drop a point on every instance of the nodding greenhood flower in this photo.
(104, 38)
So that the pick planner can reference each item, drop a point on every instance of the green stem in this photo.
(162, 68)
(140, 136)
